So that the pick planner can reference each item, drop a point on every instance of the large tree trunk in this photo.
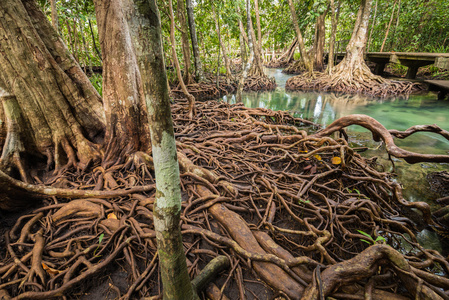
(199, 76)
(184, 41)
(302, 48)
(124, 103)
(61, 110)
(167, 208)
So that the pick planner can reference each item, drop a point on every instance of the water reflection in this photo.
(400, 114)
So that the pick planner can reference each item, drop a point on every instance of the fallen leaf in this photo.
(336, 160)
(49, 270)
(112, 216)
(317, 157)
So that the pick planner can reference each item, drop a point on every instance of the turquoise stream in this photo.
(395, 113)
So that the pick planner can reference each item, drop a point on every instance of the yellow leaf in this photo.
(336, 160)
(49, 270)
(317, 157)
(112, 216)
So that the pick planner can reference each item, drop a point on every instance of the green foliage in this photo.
(371, 241)
(97, 82)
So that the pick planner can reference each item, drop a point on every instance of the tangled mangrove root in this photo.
(296, 67)
(360, 81)
(289, 210)
(209, 90)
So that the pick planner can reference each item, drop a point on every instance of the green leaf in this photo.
(365, 234)
(365, 241)
(100, 238)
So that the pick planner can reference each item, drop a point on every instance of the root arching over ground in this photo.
(289, 208)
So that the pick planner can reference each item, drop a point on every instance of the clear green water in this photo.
(396, 113)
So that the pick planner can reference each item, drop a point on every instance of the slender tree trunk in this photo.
(372, 27)
(242, 45)
(54, 15)
(196, 52)
(302, 48)
(330, 59)
(222, 46)
(393, 40)
(70, 34)
(256, 66)
(124, 102)
(190, 98)
(388, 27)
(259, 31)
(86, 49)
(145, 26)
(247, 67)
(93, 40)
(184, 41)
(320, 41)
(75, 41)
(62, 112)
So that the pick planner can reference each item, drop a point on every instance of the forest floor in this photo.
(296, 212)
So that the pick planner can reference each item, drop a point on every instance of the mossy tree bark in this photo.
(148, 44)
(124, 103)
(62, 111)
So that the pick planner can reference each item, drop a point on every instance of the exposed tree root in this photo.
(209, 90)
(295, 67)
(285, 207)
(361, 81)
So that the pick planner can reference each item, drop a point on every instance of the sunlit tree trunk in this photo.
(302, 48)
(199, 76)
(124, 103)
(146, 32)
(181, 11)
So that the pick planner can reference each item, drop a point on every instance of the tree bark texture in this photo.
(199, 75)
(302, 48)
(147, 38)
(61, 109)
(124, 102)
